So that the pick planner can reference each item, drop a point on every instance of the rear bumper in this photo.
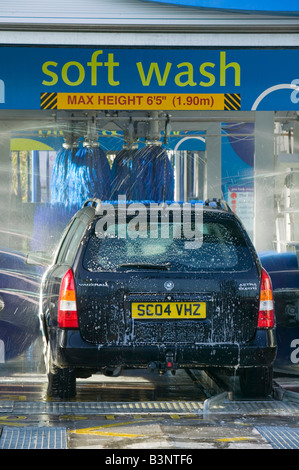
(72, 351)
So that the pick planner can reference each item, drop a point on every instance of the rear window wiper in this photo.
(145, 266)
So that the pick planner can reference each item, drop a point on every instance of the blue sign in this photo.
(168, 79)
(246, 5)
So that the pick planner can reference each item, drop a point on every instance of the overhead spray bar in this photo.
(92, 134)
(130, 136)
(70, 136)
(153, 132)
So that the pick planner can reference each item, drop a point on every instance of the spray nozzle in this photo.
(91, 144)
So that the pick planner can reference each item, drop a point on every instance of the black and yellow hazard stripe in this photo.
(48, 100)
(232, 101)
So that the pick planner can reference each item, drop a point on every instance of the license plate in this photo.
(168, 310)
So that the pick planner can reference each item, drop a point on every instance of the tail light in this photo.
(266, 309)
(67, 306)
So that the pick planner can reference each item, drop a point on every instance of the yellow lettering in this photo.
(224, 67)
(207, 74)
(94, 64)
(64, 73)
(111, 64)
(188, 72)
(50, 73)
(153, 68)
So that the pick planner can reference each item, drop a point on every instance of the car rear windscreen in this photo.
(220, 246)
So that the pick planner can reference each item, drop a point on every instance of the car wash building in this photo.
(206, 99)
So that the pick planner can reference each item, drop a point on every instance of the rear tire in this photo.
(61, 382)
(256, 382)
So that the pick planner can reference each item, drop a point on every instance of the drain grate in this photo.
(105, 407)
(33, 438)
(6, 405)
(280, 437)
(260, 407)
(221, 405)
(183, 407)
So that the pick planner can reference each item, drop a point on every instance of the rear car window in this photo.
(222, 247)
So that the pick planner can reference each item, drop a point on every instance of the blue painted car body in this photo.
(19, 295)
(284, 272)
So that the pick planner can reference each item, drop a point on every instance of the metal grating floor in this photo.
(33, 438)
(280, 437)
(104, 407)
(262, 407)
(182, 407)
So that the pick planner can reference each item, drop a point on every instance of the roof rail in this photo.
(218, 204)
(213, 203)
(93, 202)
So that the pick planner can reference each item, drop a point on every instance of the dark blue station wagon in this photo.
(138, 286)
